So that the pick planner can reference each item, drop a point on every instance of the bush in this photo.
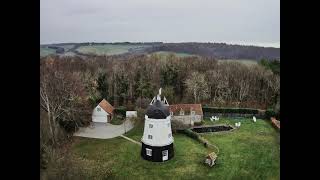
(199, 123)
(43, 156)
(229, 110)
(178, 125)
(270, 113)
(203, 141)
(117, 120)
(121, 110)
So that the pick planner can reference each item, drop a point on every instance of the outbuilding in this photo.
(103, 113)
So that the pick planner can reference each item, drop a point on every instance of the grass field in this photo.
(46, 51)
(244, 61)
(251, 152)
(166, 53)
(108, 49)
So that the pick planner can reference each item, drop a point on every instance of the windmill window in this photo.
(193, 112)
(171, 113)
(149, 136)
(98, 109)
(150, 125)
(149, 152)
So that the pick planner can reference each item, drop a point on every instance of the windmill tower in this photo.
(157, 140)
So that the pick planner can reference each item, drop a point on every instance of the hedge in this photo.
(191, 134)
(229, 110)
(195, 136)
(271, 113)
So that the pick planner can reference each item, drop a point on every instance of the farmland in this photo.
(215, 50)
(108, 49)
(167, 53)
(46, 51)
(243, 61)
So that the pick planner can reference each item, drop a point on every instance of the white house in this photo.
(103, 113)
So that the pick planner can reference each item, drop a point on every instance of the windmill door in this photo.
(164, 155)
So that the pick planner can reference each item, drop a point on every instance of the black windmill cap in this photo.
(157, 110)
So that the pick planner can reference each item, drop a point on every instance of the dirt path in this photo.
(129, 139)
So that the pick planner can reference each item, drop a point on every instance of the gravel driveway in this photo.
(104, 131)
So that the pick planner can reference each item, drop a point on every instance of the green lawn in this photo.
(108, 49)
(247, 62)
(166, 53)
(250, 152)
(116, 121)
(44, 51)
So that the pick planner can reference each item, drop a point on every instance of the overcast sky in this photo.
(255, 22)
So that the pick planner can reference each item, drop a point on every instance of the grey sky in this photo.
(254, 22)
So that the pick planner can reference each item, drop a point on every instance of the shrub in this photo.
(203, 141)
(121, 110)
(270, 113)
(178, 125)
(229, 110)
(199, 123)
(43, 156)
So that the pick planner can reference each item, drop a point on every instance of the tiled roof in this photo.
(175, 108)
(105, 105)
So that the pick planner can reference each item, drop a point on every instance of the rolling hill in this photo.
(215, 50)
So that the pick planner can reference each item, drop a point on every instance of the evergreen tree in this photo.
(102, 85)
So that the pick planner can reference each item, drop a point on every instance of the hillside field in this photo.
(108, 49)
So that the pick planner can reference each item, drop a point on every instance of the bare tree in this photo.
(60, 96)
(197, 86)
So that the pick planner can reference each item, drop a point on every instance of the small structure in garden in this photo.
(210, 159)
(254, 119)
(238, 124)
(103, 112)
(214, 118)
(131, 114)
(157, 140)
(186, 113)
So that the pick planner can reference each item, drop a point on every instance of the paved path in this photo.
(129, 139)
(104, 130)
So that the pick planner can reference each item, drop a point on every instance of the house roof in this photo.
(105, 105)
(175, 108)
